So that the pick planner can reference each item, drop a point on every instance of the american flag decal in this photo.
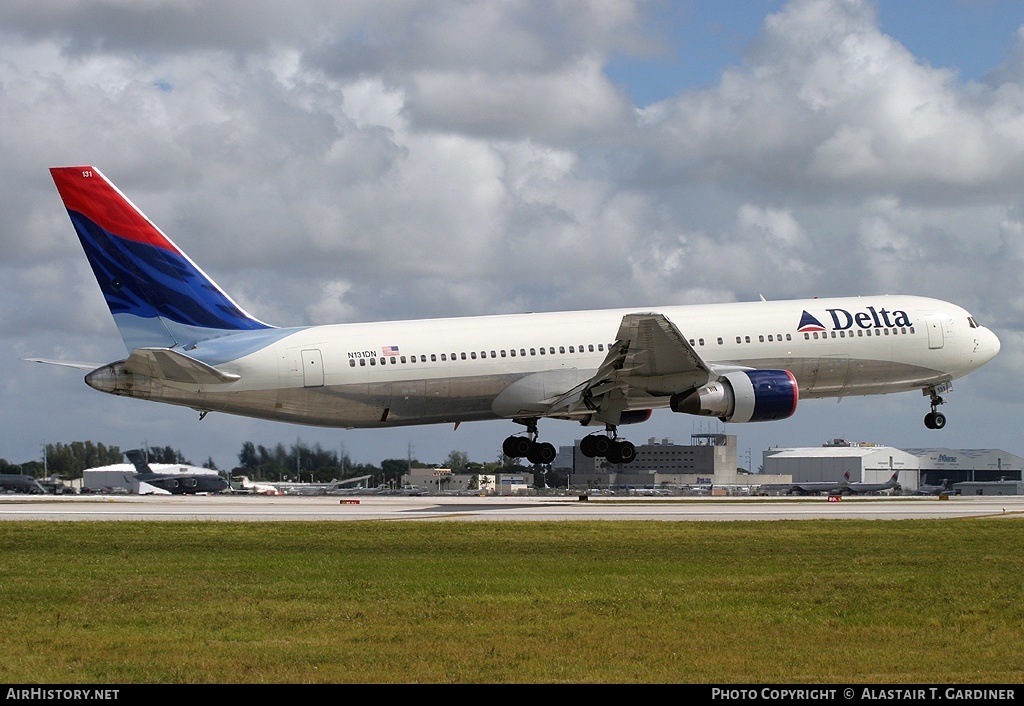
(389, 350)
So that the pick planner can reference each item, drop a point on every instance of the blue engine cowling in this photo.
(745, 396)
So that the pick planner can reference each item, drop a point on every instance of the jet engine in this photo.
(745, 396)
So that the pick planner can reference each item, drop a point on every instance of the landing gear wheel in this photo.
(935, 420)
(587, 447)
(621, 452)
(516, 446)
(542, 454)
(595, 445)
(626, 452)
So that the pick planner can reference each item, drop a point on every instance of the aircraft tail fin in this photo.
(138, 459)
(156, 294)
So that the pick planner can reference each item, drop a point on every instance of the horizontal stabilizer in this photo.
(166, 364)
(65, 363)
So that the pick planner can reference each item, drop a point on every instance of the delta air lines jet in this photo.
(190, 344)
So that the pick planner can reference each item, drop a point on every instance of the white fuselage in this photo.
(462, 369)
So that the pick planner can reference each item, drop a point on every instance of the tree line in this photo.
(318, 465)
(69, 460)
(296, 462)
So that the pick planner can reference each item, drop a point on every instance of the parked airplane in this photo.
(859, 488)
(190, 344)
(174, 483)
(256, 488)
(831, 487)
(944, 488)
(18, 483)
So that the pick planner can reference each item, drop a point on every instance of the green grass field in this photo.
(496, 602)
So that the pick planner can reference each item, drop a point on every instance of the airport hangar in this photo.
(711, 459)
(976, 470)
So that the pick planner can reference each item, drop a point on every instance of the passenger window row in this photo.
(860, 333)
(482, 355)
(771, 338)
(600, 347)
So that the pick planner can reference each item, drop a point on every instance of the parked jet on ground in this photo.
(190, 344)
(858, 488)
(831, 487)
(18, 483)
(174, 483)
(256, 488)
(944, 488)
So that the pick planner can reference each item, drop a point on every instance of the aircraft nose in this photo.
(988, 346)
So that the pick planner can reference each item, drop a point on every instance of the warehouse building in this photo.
(967, 465)
(875, 464)
(857, 464)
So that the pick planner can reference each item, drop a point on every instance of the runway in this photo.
(238, 508)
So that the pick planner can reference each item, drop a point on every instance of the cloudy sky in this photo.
(332, 162)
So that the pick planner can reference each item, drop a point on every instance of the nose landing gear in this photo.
(934, 419)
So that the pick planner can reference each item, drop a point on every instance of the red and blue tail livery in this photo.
(191, 345)
(156, 294)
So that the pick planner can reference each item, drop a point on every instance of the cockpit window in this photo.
(972, 322)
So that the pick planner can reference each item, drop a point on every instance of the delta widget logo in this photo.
(809, 323)
(869, 318)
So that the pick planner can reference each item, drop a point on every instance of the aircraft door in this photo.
(312, 368)
(935, 336)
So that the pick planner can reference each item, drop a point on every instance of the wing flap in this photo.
(650, 355)
(654, 347)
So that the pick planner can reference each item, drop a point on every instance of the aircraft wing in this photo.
(147, 489)
(167, 364)
(650, 355)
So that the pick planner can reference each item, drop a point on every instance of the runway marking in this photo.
(232, 508)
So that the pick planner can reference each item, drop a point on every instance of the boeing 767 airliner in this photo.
(190, 344)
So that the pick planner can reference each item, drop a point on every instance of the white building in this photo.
(858, 464)
(875, 464)
(967, 465)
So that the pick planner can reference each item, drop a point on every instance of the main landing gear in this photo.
(935, 420)
(536, 452)
(605, 445)
(608, 446)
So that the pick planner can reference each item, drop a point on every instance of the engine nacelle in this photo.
(746, 396)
